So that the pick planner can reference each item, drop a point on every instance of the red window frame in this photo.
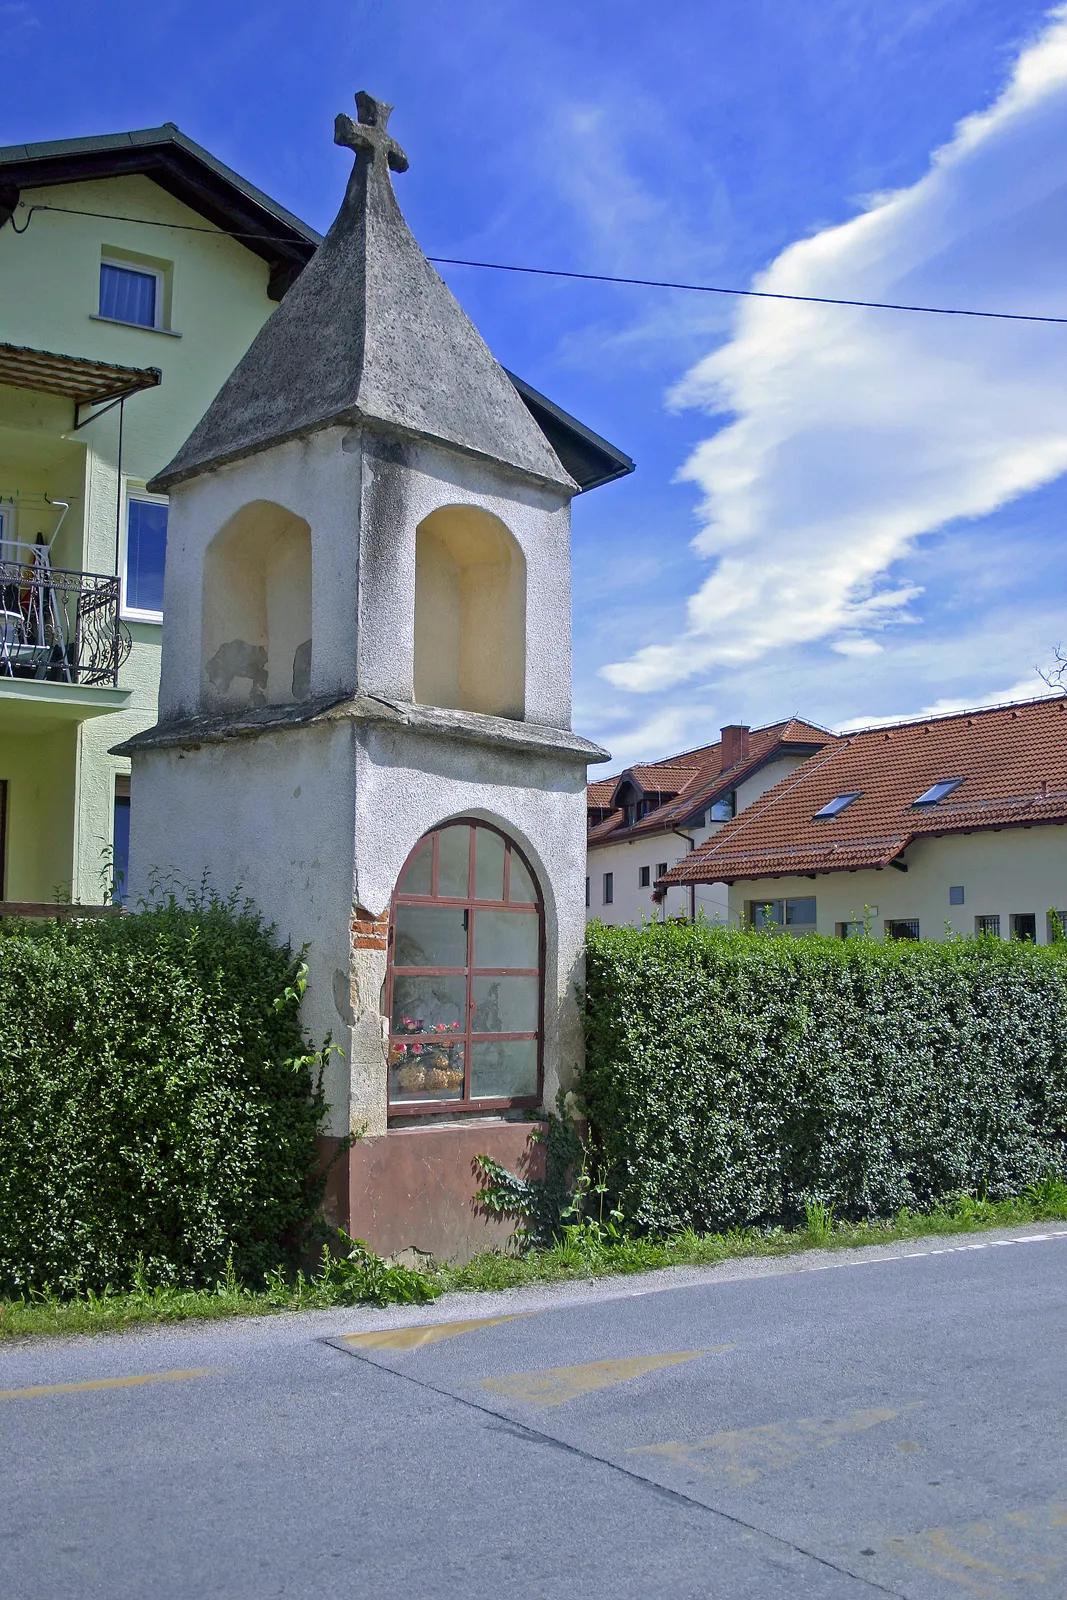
(467, 1035)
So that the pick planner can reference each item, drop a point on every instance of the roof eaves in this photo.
(590, 459)
(151, 138)
(787, 861)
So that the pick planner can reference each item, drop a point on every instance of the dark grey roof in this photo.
(185, 170)
(193, 175)
(590, 460)
(369, 333)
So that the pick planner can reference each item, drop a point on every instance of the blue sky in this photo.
(843, 515)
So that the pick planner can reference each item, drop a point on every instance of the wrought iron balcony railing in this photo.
(58, 626)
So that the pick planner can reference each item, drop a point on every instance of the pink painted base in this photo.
(414, 1188)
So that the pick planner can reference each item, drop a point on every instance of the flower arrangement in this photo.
(427, 1063)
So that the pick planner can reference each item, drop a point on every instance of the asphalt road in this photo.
(893, 1424)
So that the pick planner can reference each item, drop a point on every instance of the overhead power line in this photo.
(590, 277)
(750, 294)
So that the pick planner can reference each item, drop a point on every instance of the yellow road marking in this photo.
(426, 1333)
(554, 1385)
(741, 1454)
(103, 1383)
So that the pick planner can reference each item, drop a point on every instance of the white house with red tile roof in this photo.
(646, 820)
(941, 825)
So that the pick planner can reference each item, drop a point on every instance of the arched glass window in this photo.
(464, 992)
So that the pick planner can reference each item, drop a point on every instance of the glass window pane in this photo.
(504, 1005)
(415, 879)
(505, 939)
(488, 865)
(128, 296)
(798, 911)
(503, 1070)
(521, 885)
(425, 1071)
(430, 1005)
(146, 549)
(453, 862)
(767, 914)
(430, 936)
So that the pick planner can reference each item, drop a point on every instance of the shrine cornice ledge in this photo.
(464, 727)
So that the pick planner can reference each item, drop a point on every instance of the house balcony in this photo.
(62, 642)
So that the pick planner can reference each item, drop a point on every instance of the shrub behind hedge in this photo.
(731, 1077)
(158, 1101)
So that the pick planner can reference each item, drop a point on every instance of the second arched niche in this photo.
(470, 613)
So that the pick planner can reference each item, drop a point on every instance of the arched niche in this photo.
(256, 640)
(470, 613)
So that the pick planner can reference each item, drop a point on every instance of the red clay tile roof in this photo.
(1012, 759)
(693, 779)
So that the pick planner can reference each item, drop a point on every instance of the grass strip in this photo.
(583, 1252)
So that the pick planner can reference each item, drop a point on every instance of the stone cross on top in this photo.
(369, 133)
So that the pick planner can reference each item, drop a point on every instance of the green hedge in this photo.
(733, 1077)
(158, 1101)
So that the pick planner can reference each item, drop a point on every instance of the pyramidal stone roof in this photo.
(369, 333)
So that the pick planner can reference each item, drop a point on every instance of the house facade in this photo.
(125, 300)
(645, 821)
(931, 828)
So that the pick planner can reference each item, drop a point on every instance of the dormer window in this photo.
(834, 807)
(631, 815)
(937, 791)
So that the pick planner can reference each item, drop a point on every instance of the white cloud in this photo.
(1031, 688)
(855, 432)
(856, 645)
(659, 736)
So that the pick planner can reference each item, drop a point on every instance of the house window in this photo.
(988, 927)
(796, 915)
(631, 815)
(850, 930)
(725, 808)
(902, 928)
(1024, 926)
(644, 875)
(937, 791)
(834, 807)
(1057, 926)
(129, 295)
(120, 850)
(587, 891)
(955, 895)
(463, 987)
(609, 888)
(661, 869)
(146, 549)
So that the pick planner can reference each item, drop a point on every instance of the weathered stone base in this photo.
(412, 1189)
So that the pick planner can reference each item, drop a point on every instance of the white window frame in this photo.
(158, 326)
(135, 491)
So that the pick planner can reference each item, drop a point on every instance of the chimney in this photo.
(734, 745)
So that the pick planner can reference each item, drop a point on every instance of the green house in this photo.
(135, 271)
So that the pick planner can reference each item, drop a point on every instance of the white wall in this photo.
(317, 821)
(1015, 870)
(363, 510)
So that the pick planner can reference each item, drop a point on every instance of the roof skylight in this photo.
(834, 807)
(937, 791)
